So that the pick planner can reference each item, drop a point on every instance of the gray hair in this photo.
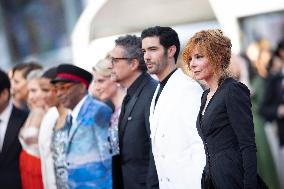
(132, 49)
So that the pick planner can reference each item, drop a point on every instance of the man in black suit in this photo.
(272, 107)
(129, 69)
(11, 120)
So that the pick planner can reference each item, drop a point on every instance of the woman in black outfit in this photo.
(225, 121)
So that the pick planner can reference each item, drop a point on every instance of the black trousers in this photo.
(116, 173)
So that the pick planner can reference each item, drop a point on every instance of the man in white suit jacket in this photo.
(177, 148)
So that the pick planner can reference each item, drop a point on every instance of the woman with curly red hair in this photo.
(225, 121)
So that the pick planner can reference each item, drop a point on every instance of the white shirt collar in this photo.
(5, 115)
(77, 108)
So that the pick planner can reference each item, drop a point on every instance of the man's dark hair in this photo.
(4, 82)
(132, 49)
(26, 68)
(280, 46)
(167, 36)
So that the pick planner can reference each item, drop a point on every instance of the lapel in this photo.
(130, 107)
(199, 121)
(152, 117)
(15, 123)
(204, 125)
(82, 113)
(164, 100)
(168, 91)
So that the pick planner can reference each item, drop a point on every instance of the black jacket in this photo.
(227, 131)
(272, 99)
(9, 157)
(137, 162)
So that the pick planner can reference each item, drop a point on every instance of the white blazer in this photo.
(45, 137)
(177, 148)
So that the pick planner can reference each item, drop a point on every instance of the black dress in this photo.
(227, 131)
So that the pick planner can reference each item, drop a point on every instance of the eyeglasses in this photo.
(116, 60)
(64, 86)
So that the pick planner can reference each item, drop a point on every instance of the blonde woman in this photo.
(225, 120)
(30, 165)
(107, 89)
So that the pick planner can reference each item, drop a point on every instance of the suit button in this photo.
(163, 135)
(168, 179)
(161, 180)
(163, 156)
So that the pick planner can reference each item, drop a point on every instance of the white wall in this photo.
(228, 12)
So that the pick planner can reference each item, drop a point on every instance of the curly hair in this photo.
(215, 46)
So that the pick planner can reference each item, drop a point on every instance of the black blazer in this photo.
(137, 162)
(227, 131)
(9, 157)
(272, 99)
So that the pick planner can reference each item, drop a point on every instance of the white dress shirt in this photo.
(74, 115)
(77, 108)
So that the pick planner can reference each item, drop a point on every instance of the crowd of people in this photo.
(138, 121)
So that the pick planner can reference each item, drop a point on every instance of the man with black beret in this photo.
(88, 161)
